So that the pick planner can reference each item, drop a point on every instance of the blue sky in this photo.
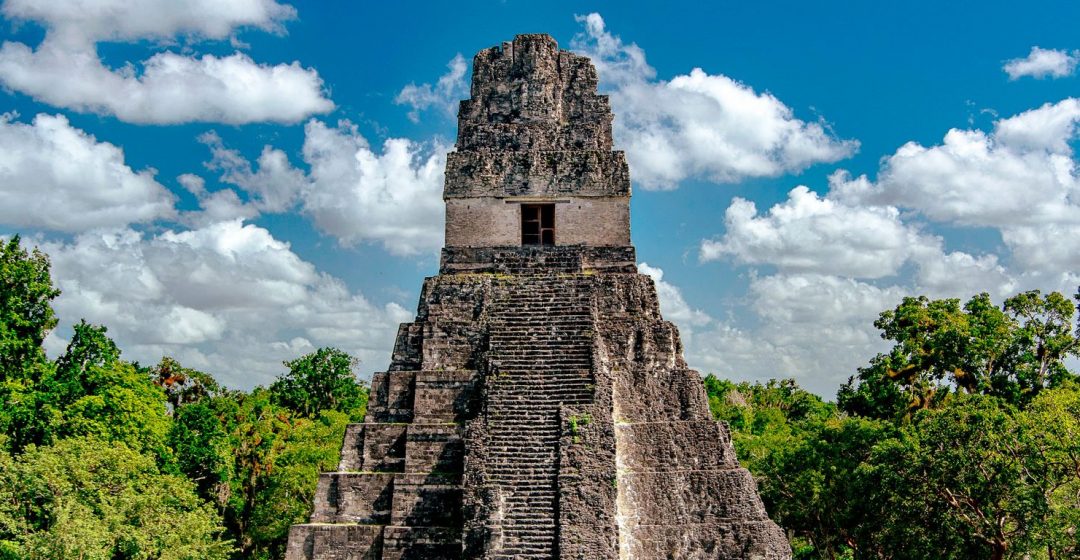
(235, 184)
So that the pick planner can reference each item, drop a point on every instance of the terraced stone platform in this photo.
(539, 406)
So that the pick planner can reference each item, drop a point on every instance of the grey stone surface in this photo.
(539, 406)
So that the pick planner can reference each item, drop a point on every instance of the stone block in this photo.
(733, 539)
(352, 448)
(689, 444)
(421, 543)
(434, 448)
(383, 448)
(334, 542)
(500, 174)
(301, 541)
(430, 500)
(364, 498)
(407, 347)
(587, 525)
(445, 396)
(392, 396)
(688, 496)
(449, 344)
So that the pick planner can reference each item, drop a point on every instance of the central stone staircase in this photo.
(540, 359)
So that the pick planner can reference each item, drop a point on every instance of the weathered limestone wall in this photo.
(539, 406)
(505, 173)
(544, 412)
(496, 222)
(397, 493)
(538, 260)
(535, 130)
(681, 491)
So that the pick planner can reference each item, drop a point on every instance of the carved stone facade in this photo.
(539, 406)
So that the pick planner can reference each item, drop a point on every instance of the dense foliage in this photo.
(102, 459)
(963, 441)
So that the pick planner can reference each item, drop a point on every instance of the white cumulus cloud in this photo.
(808, 233)
(1020, 179)
(272, 185)
(836, 260)
(226, 297)
(1043, 63)
(817, 328)
(57, 177)
(700, 125)
(127, 20)
(65, 69)
(357, 194)
(444, 95)
(391, 196)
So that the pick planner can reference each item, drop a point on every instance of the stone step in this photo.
(514, 409)
(541, 498)
(503, 436)
(541, 351)
(538, 399)
(507, 438)
(534, 347)
(523, 479)
(522, 551)
(525, 404)
(525, 381)
(506, 445)
(512, 326)
(523, 530)
(539, 323)
(523, 384)
(523, 453)
(540, 367)
(553, 376)
(504, 457)
(517, 387)
(525, 365)
(524, 394)
(565, 358)
(525, 527)
(577, 337)
(508, 422)
(541, 317)
(507, 381)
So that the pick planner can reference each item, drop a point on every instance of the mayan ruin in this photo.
(539, 406)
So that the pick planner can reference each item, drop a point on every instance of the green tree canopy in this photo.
(975, 478)
(98, 394)
(26, 315)
(183, 385)
(321, 380)
(100, 500)
(1012, 352)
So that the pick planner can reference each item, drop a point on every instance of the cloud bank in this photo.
(57, 177)
(226, 297)
(823, 266)
(65, 70)
(391, 196)
(699, 125)
(1043, 63)
(444, 95)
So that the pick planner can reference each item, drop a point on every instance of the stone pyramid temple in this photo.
(539, 406)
